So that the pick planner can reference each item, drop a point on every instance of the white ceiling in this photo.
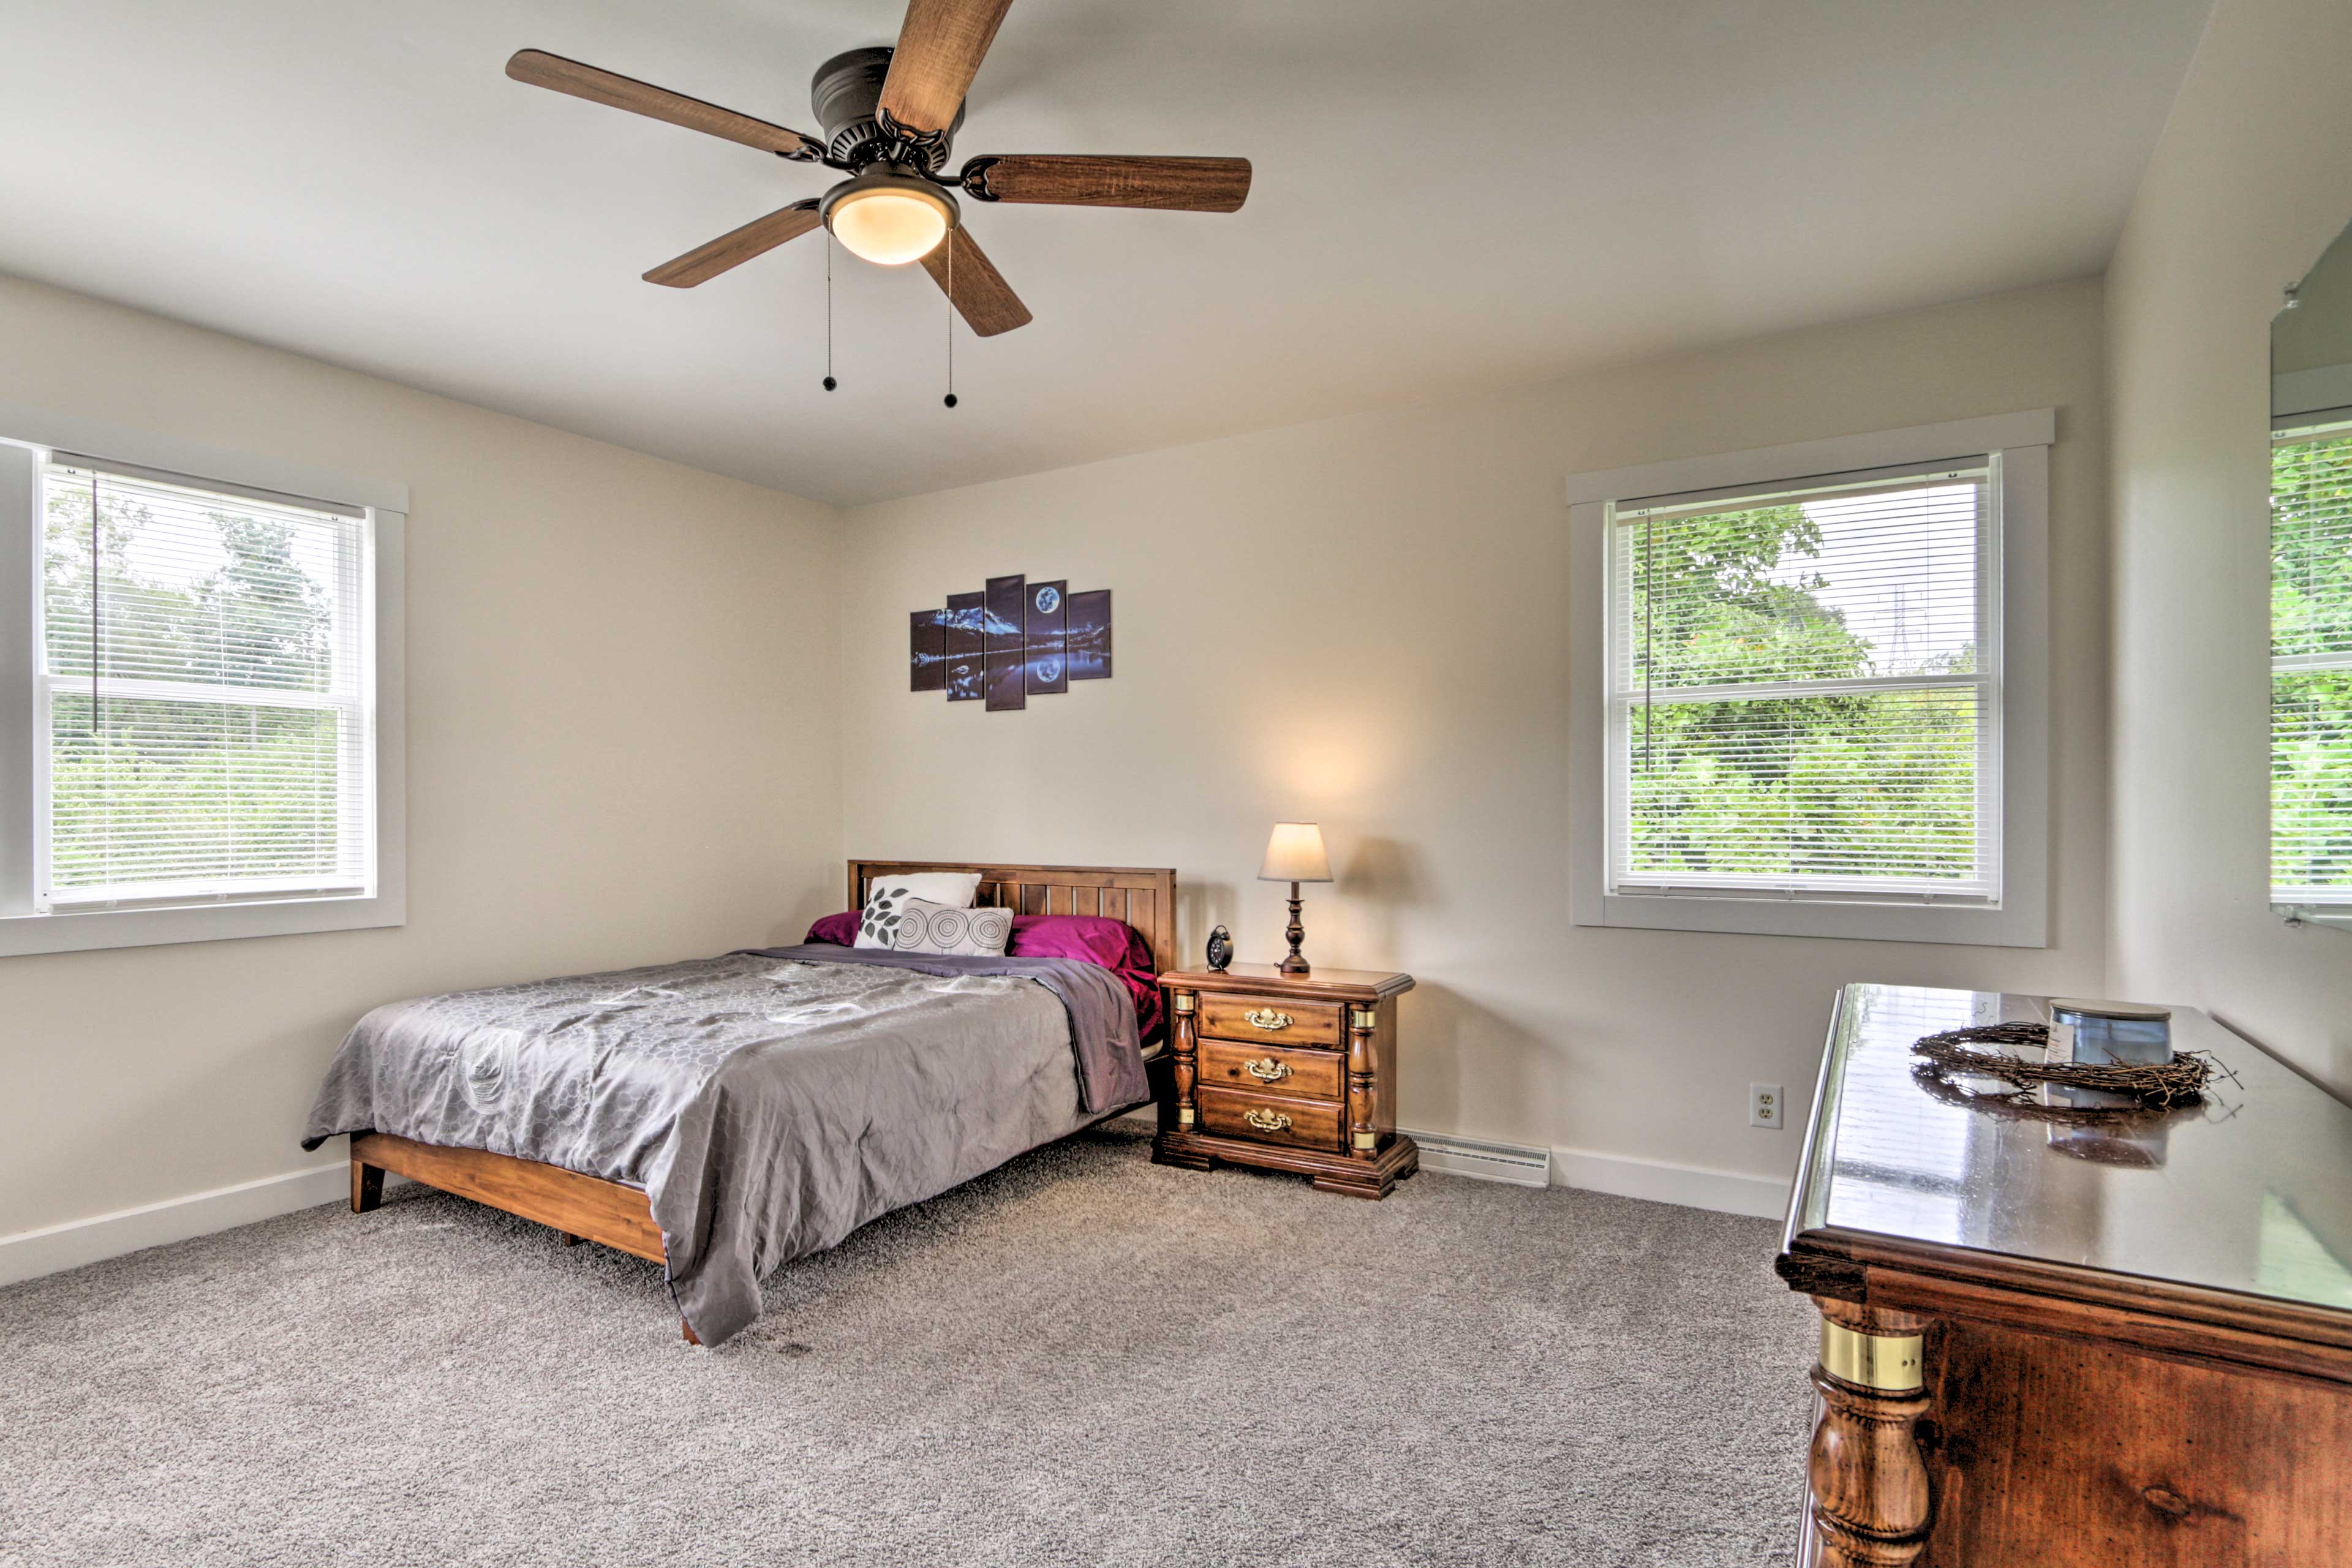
(1447, 195)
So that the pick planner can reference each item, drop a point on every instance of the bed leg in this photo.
(568, 1239)
(687, 1329)
(367, 1187)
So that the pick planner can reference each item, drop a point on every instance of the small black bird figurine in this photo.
(1220, 949)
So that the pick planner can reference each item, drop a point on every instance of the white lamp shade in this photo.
(1296, 854)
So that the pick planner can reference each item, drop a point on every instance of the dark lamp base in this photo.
(1296, 933)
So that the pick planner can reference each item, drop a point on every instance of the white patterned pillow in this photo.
(885, 896)
(925, 927)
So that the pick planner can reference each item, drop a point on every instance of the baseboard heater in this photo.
(1512, 1163)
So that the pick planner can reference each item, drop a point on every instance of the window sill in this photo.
(86, 930)
(2337, 916)
(1859, 920)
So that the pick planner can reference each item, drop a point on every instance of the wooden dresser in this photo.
(1290, 1072)
(2048, 1346)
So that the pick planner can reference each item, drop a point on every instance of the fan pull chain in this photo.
(829, 383)
(951, 313)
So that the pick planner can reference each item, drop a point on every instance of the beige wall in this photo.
(2249, 184)
(1361, 621)
(622, 748)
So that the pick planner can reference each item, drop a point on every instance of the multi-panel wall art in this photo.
(1013, 641)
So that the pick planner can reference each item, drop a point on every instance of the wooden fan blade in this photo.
(941, 46)
(981, 296)
(542, 69)
(758, 237)
(1186, 185)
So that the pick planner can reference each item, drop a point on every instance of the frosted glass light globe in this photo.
(890, 225)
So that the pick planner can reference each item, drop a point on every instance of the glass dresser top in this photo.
(2250, 1192)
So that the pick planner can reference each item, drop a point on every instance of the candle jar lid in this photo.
(2133, 1010)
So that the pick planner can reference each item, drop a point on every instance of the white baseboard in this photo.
(1692, 1186)
(1519, 1165)
(29, 1254)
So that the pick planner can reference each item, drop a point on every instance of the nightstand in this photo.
(1288, 1072)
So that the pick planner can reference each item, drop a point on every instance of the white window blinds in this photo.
(1804, 689)
(204, 693)
(2311, 666)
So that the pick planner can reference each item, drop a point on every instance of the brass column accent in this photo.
(1181, 1040)
(1363, 1090)
(1869, 1485)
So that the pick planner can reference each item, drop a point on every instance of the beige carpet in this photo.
(1083, 1358)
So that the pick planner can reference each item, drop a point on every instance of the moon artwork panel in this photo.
(1013, 640)
(966, 649)
(1044, 673)
(1007, 597)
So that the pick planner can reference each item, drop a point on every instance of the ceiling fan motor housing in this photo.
(846, 95)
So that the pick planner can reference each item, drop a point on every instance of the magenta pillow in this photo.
(1096, 938)
(840, 930)
(1089, 939)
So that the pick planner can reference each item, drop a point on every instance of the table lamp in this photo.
(1295, 855)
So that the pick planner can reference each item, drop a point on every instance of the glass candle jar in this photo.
(2131, 1033)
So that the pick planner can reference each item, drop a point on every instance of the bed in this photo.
(722, 1116)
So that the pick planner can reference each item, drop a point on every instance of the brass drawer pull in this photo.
(1265, 1070)
(1267, 1018)
(1266, 1121)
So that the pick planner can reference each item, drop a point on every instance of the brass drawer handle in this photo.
(1266, 1018)
(1265, 1070)
(1266, 1121)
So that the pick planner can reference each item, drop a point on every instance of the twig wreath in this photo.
(1963, 1053)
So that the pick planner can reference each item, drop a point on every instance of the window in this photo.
(2311, 670)
(192, 745)
(1801, 714)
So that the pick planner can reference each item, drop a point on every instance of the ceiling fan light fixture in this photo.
(890, 215)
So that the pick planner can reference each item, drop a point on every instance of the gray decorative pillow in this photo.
(885, 896)
(925, 927)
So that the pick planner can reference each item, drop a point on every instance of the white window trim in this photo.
(2325, 395)
(25, 435)
(2021, 916)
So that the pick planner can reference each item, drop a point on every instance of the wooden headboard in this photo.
(1145, 899)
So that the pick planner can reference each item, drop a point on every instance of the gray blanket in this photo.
(768, 1102)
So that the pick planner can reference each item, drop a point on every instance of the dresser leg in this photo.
(1364, 1084)
(1182, 1041)
(1868, 1482)
(1181, 1118)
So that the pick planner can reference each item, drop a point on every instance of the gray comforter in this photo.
(768, 1102)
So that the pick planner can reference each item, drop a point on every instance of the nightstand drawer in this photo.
(1263, 1119)
(1273, 1020)
(1270, 1070)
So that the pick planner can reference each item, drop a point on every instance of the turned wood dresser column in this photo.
(1182, 1041)
(1363, 1082)
(1868, 1481)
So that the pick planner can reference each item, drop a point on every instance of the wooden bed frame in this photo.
(619, 1216)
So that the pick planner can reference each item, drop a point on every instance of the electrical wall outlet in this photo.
(1764, 1105)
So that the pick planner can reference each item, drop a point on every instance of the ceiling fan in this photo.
(890, 116)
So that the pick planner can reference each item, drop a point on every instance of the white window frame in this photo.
(27, 437)
(2313, 391)
(2016, 448)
